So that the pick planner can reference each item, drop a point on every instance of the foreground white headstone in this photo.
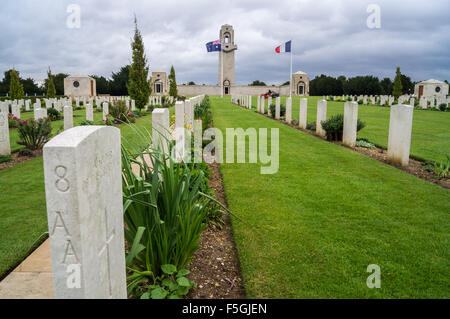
(302, 121)
(321, 116)
(5, 147)
(289, 110)
(83, 188)
(400, 127)
(68, 117)
(350, 123)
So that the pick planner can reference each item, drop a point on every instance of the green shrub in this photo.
(34, 134)
(311, 126)
(25, 152)
(443, 107)
(119, 111)
(282, 110)
(334, 127)
(13, 121)
(5, 158)
(440, 169)
(53, 114)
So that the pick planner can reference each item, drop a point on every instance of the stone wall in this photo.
(188, 90)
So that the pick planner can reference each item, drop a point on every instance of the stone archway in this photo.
(301, 88)
(226, 87)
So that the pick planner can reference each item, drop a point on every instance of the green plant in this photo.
(5, 158)
(34, 134)
(273, 108)
(164, 210)
(51, 90)
(364, 143)
(443, 107)
(334, 127)
(440, 169)
(86, 122)
(25, 152)
(311, 126)
(15, 87)
(294, 122)
(172, 284)
(13, 121)
(53, 114)
(118, 110)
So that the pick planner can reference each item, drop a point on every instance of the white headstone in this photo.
(321, 116)
(262, 107)
(105, 110)
(160, 128)
(350, 123)
(5, 147)
(189, 111)
(269, 104)
(40, 113)
(68, 117)
(289, 110)
(302, 121)
(15, 108)
(277, 108)
(85, 213)
(400, 127)
(89, 112)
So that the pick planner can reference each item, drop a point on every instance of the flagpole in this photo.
(221, 70)
(290, 78)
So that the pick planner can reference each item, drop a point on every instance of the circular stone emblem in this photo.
(76, 84)
(438, 89)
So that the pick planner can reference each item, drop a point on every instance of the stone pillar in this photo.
(277, 107)
(105, 110)
(412, 102)
(321, 116)
(85, 213)
(288, 110)
(89, 112)
(400, 127)
(5, 147)
(160, 129)
(350, 123)
(68, 117)
(302, 119)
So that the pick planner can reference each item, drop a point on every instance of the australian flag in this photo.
(214, 46)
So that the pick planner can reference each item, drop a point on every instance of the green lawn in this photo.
(311, 230)
(23, 216)
(430, 133)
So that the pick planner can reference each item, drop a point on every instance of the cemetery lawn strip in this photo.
(23, 216)
(430, 138)
(327, 214)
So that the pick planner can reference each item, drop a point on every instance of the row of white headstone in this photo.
(400, 124)
(85, 207)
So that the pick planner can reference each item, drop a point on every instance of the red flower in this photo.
(128, 114)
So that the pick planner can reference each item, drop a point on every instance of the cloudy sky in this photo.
(330, 37)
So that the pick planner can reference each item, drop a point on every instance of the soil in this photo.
(215, 267)
(414, 167)
(17, 159)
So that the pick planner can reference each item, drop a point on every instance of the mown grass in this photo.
(311, 230)
(23, 216)
(430, 133)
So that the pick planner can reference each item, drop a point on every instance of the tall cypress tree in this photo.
(51, 90)
(138, 85)
(15, 87)
(173, 91)
(397, 91)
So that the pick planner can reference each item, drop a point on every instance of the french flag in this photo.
(284, 48)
